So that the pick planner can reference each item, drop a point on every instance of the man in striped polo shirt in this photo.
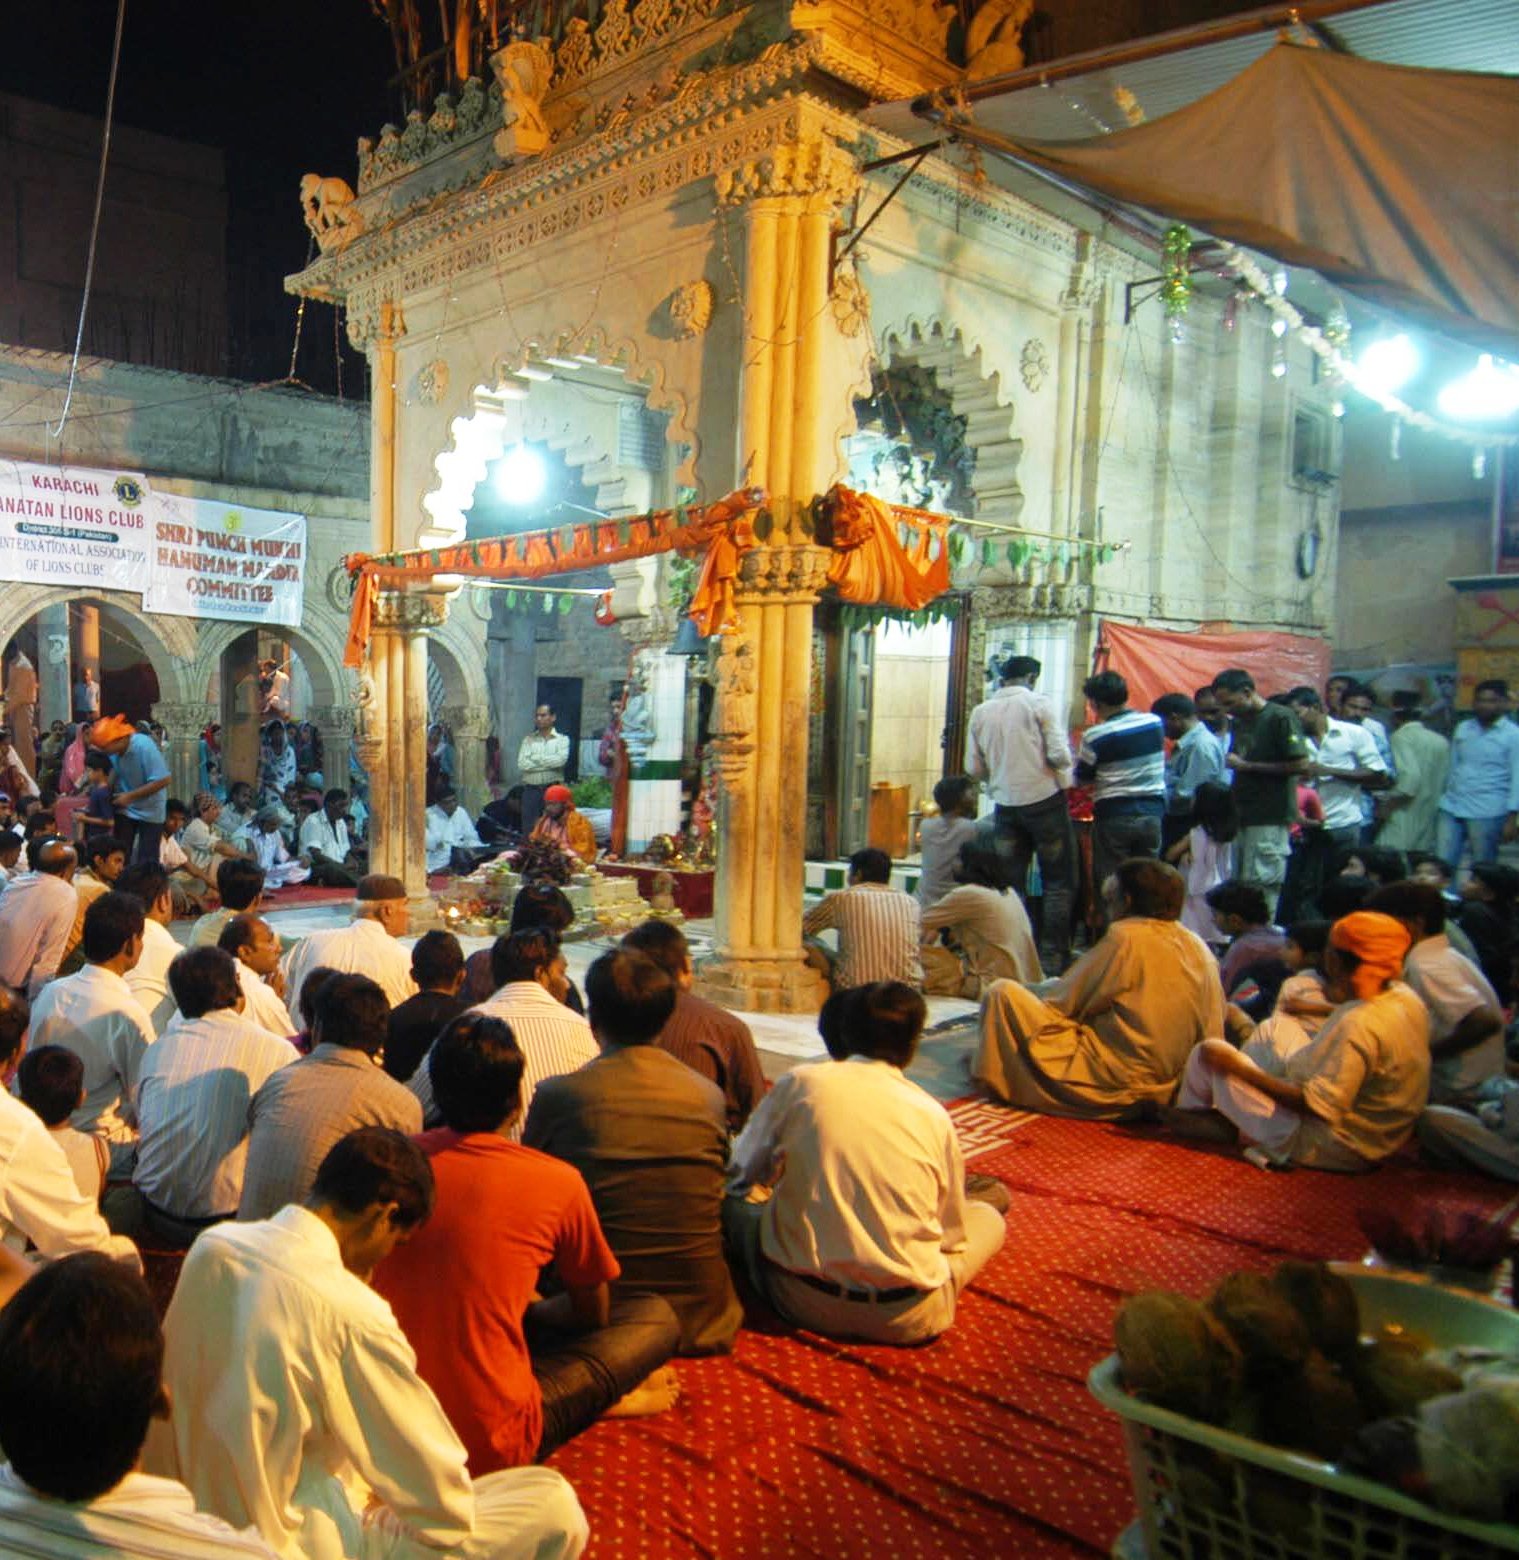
(1123, 759)
(878, 925)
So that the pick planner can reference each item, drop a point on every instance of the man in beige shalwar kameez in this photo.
(1115, 1031)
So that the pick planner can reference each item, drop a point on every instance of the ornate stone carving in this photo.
(414, 137)
(334, 720)
(812, 167)
(431, 383)
(1034, 363)
(183, 721)
(330, 213)
(652, 18)
(338, 588)
(523, 72)
(735, 677)
(689, 309)
(791, 572)
(576, 52)
(410, 612)
(849, 301)
(615, 35)
(993, 41)
(451, 123)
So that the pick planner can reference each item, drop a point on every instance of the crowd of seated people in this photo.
(439, 1215)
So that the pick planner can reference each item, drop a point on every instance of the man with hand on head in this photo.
(148, 883)
(37, 911)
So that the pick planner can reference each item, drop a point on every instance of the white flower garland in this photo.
(1255, 277)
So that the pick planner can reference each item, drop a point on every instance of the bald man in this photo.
(37, 913)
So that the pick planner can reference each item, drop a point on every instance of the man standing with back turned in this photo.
(1016, 745)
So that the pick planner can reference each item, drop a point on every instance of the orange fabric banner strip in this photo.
(723, 529)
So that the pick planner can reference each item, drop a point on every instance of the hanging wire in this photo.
(89, 264)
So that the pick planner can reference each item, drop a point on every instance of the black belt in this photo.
(844, 1292)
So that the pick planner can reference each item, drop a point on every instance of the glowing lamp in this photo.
(1489, 393)
(521, 476)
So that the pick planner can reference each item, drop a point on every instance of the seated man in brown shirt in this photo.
(703, 1035)
(650, 1137)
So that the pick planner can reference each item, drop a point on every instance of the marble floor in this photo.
(782, 1039)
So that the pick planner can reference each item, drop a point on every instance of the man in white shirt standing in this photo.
(367, 947)
(148, 883)
(95, 1015)
(1345, 764)
(326, 843)
(1017, 745)
(70, 1489)
(452, 844)
(532, 982)
(275, 1336)
(255, 949)
(869, 1232)
(40, 1201)
(193, 1098)
(37, 911)
(541, 758)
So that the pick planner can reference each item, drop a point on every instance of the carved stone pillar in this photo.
(470, 726)
(183, 724)
(335, 723)
(759, 739)
(788, 203)
(393, 734)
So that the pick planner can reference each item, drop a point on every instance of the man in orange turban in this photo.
(564, 826)
(1352, 1095)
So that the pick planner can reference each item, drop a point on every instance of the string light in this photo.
(1323, 344)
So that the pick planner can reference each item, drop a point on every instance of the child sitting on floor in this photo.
(50, 1080)
(1302, 1002)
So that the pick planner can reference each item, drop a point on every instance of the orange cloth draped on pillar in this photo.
(870, 565)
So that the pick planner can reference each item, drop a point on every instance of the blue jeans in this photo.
(1454, 834)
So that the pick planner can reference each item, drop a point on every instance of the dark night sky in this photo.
(285, 87)
(282, 86)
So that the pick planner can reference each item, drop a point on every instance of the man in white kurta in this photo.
(37, 913)
(95, 1015)
(317, 1407)
(255, 946)
(452, 843)
(1114, 1032)
(367, 947)
(149, 977)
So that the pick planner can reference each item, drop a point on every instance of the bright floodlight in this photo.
(521, 476)
(1388, 363)
(1489, 393)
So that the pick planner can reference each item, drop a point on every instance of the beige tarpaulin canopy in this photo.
(1400, 185)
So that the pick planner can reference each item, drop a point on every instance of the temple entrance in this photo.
(246, 704)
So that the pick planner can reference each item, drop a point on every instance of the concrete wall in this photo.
(159, 294)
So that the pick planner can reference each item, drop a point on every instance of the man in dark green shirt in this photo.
(1267, 756)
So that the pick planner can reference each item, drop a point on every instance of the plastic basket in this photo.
(1205, 1494)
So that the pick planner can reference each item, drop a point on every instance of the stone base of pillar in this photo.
(423, 915)
(762, 985)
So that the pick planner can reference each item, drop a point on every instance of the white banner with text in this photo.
(87, 529)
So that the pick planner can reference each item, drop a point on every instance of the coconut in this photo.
(1271, 1336)
(1327, 1304)
(1173, 1354)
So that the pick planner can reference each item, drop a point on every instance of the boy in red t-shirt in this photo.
(516, 1375)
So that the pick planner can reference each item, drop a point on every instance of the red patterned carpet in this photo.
(985, 1443)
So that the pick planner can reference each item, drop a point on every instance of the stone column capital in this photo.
(332, 718)
(185, 720)
(816, 169)
(410, 612)
(788, 573)
(467, 720)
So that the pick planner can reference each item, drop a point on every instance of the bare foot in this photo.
(653, 1395)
